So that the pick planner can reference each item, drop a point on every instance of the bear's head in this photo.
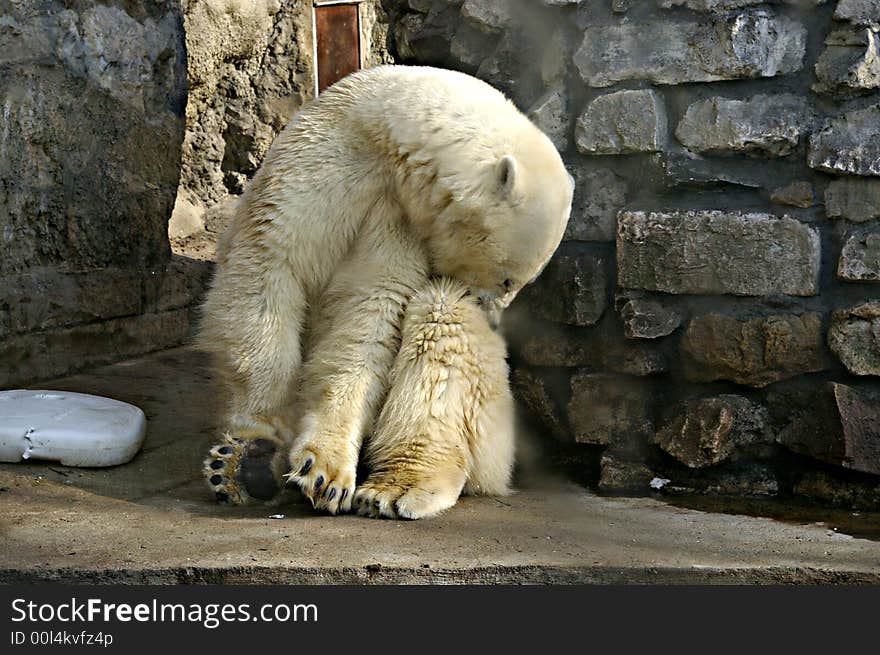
(498, 231)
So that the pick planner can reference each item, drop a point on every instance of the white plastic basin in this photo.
(75, 429)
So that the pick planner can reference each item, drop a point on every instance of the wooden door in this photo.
(337, 42)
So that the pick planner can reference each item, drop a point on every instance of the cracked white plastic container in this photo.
(75, 429)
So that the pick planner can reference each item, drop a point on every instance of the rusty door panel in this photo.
(338, 43)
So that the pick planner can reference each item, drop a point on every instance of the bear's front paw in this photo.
(240, 470)
(385, 497)
(325, 474)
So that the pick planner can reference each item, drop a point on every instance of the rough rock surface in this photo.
(618, 475)
(850, 64)
(92, 105)
(551, 114)
(754, 352)
(648, 319)
(572, 289)
(713, 252)
(604, 408)
(92, 98)
(848, 144)
(854, 336)
(751, 44)
(860, 255)
(796, 194)
(488, 15)
(685, 169)
(855, 199)
(724, 5)
(537, 395)
(622, 122)
(250, 69)
(598, 195)
(770, 125)
(861, 12)
(706, 431)
(554, 349)
(842, 427)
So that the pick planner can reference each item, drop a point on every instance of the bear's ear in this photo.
(508, 175)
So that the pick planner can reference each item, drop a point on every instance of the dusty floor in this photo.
(154, 520)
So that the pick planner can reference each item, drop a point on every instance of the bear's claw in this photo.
(329, 486)
(241, 470)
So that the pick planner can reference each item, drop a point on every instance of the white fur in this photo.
(393, 177)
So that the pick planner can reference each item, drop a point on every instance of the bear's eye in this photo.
(508, 284)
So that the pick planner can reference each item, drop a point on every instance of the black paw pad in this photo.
(255, 469)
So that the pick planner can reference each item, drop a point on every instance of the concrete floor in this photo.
(154, 521)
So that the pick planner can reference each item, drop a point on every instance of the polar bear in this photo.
(357, 287)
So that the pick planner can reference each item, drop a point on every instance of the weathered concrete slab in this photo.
(153, 521)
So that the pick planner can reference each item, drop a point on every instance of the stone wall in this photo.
(250, 68)
(711, 322)
(92, 96)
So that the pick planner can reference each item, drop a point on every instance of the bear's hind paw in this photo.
(388, 500)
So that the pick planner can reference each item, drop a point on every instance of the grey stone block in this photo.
(41, 355)
(768, 125)
(860, 255)
(551, 114)
(571, 290)
(854, 336)
(754, 352)
(852, 198)
(712, 252)
(861, 12)
(93, 102)
(598, 195)
(850, 64)
(488, 15)
(648, 319)
(622, 122)
(842, 427)
(606, 408)
(706, 431)
(751, 44)
(796, 194)
(848, 144)
(536, 393)
(726, 5)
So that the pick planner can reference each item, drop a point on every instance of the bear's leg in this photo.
(492, 449)
(252, 322)
(447, 424)
(353, 340)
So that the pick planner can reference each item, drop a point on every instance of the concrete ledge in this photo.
(154, 521)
